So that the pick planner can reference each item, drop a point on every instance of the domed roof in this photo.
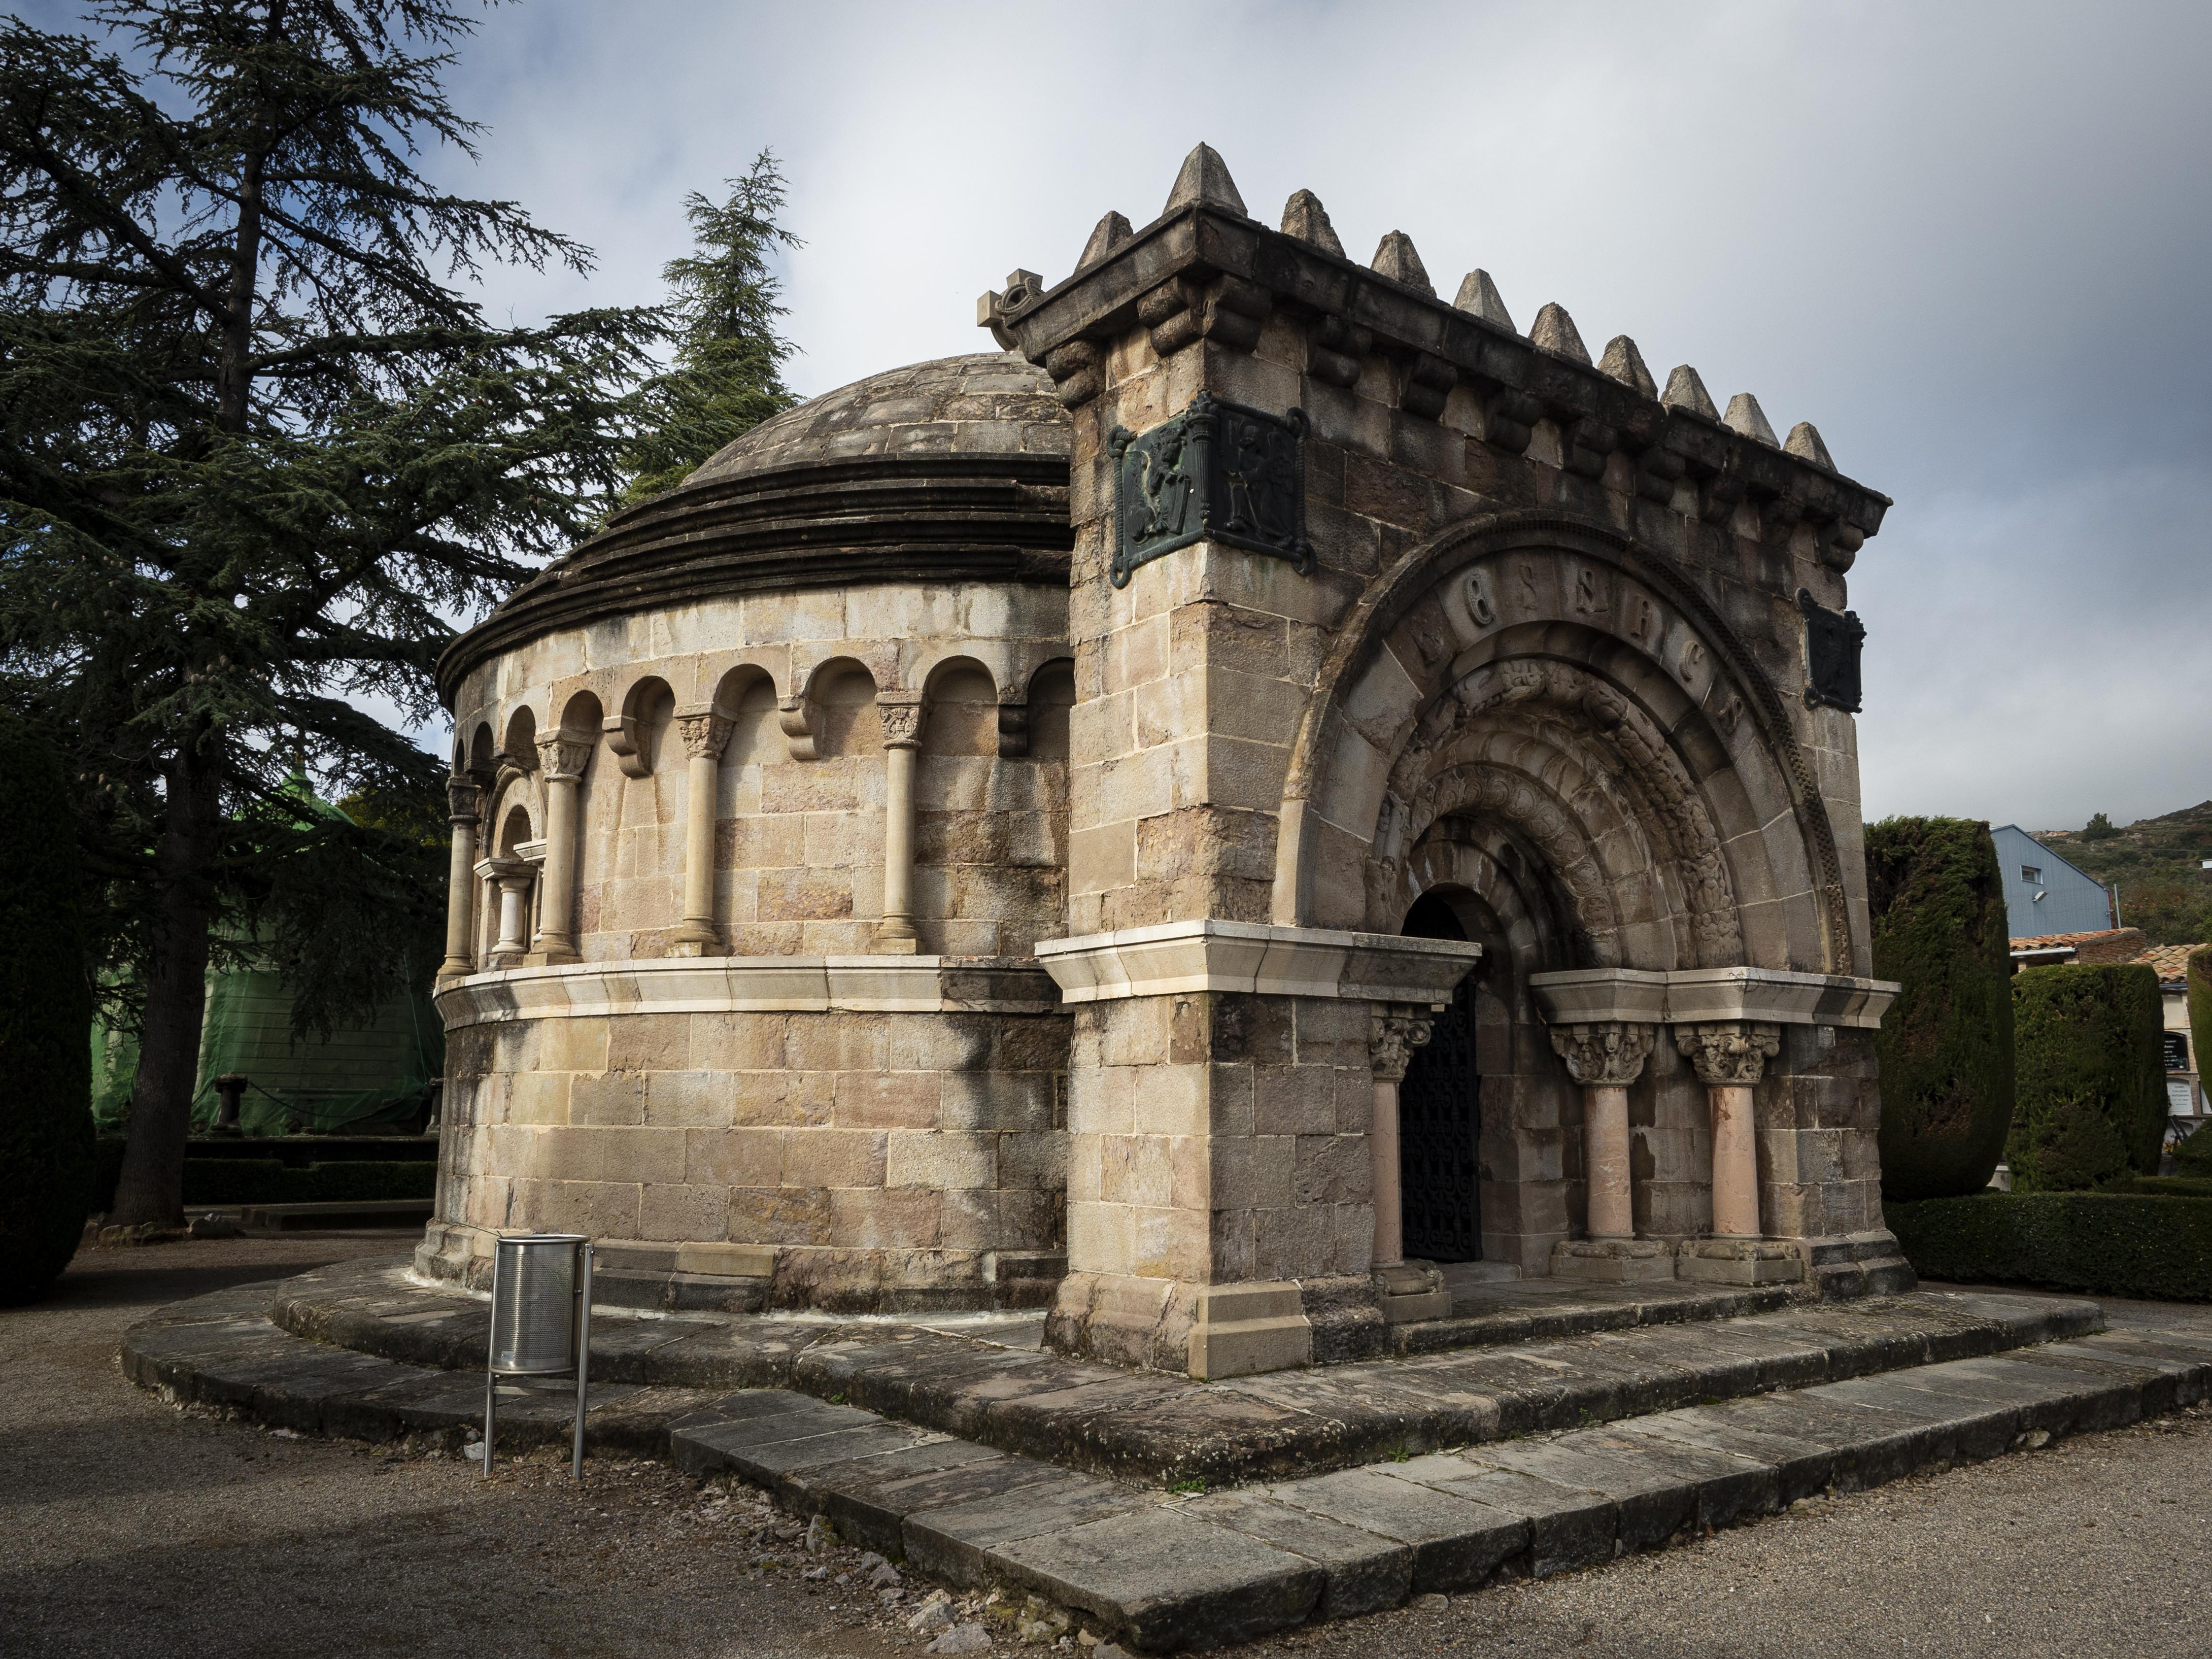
(947, 472)
(993, 403)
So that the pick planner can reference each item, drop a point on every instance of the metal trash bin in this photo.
(541, 1322)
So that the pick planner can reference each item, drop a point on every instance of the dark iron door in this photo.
(1438, 1118)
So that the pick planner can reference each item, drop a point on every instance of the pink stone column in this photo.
(1604, 1057)
(1730, 1056)
(1396, 1034)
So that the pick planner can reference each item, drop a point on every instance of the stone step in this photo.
(1198, 1567)
(1150, 1427)
(338, 1212)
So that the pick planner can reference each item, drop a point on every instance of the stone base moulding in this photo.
(1612, 1260)
(1413, 1291)
(1740, 1260)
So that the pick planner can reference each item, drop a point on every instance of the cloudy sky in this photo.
(1969, 242)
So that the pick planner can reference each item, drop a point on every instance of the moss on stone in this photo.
(46, 1022)
(1945, 1045)
(2092, 1078)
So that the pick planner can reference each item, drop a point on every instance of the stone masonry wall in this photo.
(884, 1155)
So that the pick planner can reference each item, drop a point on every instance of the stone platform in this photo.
(1177, 1514)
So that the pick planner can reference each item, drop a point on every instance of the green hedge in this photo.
(267, 1181)
(1945, 1045)
(2091, 1105)
(2106, 1243)
(45, 1022)
(2180, 1186)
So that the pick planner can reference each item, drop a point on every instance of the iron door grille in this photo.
(1438, 1117)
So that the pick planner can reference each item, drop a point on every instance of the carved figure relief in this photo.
(1218, 471)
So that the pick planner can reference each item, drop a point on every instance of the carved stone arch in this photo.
(1617, 746)
(1411, 635)
(1560, 838)
(1648, 894)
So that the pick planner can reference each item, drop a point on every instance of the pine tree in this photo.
(728, 376)
(259, 446)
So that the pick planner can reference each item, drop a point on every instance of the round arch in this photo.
(1514, 616)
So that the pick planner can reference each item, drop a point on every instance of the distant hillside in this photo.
(2155, 863)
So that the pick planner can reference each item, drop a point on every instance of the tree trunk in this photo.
(152, 1187)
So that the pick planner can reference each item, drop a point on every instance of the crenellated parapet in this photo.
(1206, 272)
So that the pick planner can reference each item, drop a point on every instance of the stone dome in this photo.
(953, 471)
(992, 403)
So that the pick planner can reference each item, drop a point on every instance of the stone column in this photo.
(563, 759)
(895, 934)
(464, 802)
(513, 876)
(1604, 1057)
(1410, 1291)
(1729, 1057)
(705, 735)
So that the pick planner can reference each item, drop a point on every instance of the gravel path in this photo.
(135, 1529)
(132, 1529)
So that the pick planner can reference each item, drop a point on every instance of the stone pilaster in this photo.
(1222, 1088)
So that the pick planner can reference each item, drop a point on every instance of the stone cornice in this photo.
(738, 985)
(1700, 996)
(938, 518)
(1178, 957)
(1206, 242)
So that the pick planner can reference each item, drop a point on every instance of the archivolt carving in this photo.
(1426, 568)
(1510, 797)
(1668, 796)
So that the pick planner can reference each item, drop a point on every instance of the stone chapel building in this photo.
(1272, 782)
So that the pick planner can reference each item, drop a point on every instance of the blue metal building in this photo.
(2043, 894)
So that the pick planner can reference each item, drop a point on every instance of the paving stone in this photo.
(951, 1542)
(1944, 1425)
(1458, 1540)
(1660, 1490)
(1162, 1579)
(874, 1511)
(1566, 1527)
(1366, 1570)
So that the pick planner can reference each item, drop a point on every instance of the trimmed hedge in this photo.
(268, 1180)
(2172, 1186)
(2091, 1107)
(2106, 1243)
(46, 1022)
(1945, 1045)
(2192, 1154)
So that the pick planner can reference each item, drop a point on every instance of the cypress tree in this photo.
(2091, 1102)
(46, 1022)
(1945, 1045)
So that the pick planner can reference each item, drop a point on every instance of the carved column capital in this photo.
(902, 724)
(1604, 1053)
(563, 757)
(1730, 1053)
(1391, 1040)
(705, 735)
(463, 800)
